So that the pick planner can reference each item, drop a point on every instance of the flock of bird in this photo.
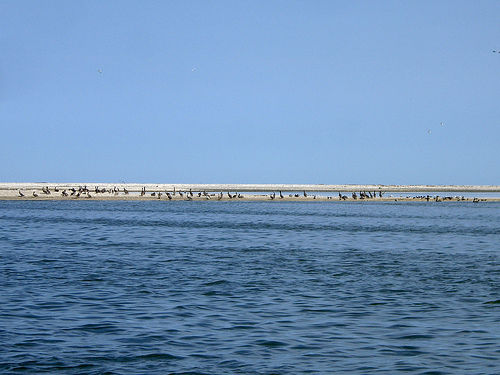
(85, 192)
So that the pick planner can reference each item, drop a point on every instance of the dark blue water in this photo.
(249, 288)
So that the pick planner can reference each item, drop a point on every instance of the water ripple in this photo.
(251, 288)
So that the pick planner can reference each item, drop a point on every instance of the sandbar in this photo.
(247, 192)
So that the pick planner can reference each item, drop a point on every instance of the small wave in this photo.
(158, 357)
(99, 328)
(496, 302)
(414, 337)
(218, 282)
(271, 343)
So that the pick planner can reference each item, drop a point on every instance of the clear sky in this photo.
(319, 92)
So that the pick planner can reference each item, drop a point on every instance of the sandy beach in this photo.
(242, 192)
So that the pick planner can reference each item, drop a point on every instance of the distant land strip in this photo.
(137, 187)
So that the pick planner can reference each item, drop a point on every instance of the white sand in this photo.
(248, 191)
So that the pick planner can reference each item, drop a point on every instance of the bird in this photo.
(99, 71)
(21, 194)
(428, 131)
(496, 51)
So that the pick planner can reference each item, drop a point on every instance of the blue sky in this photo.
(319, 92)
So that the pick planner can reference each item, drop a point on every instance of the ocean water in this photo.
(93, 287)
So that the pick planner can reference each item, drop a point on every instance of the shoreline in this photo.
(246, 192)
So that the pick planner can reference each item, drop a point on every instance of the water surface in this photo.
(94, 287)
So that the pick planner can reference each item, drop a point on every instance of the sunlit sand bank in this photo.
(247, 192)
